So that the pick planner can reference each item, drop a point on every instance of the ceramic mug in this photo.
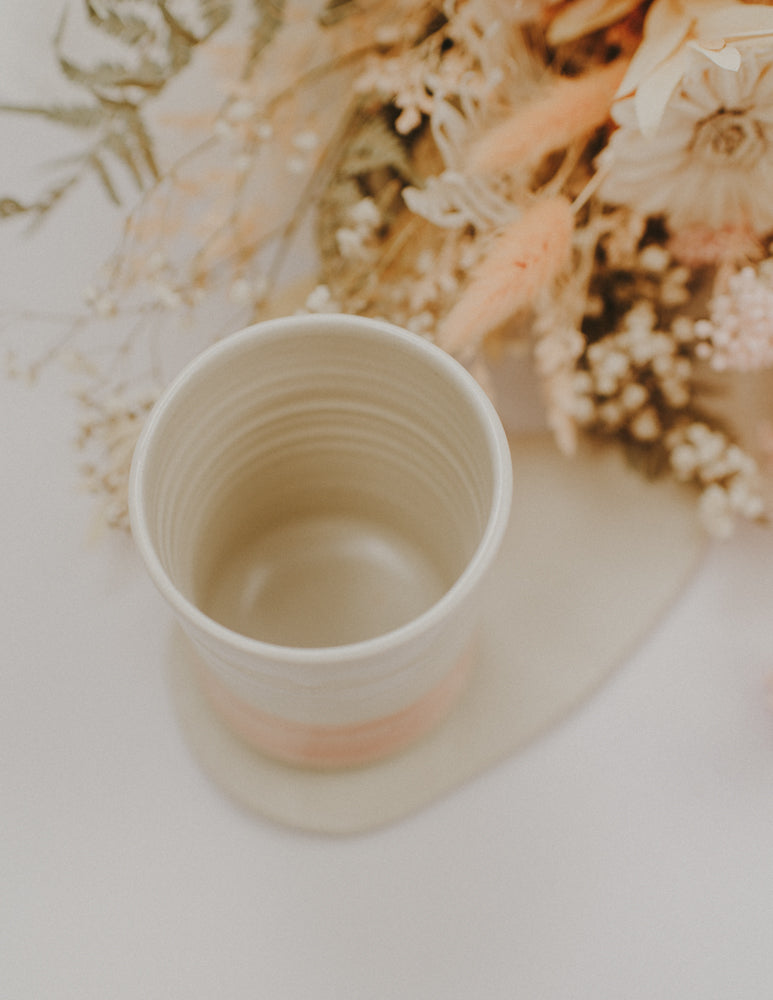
(319, 499)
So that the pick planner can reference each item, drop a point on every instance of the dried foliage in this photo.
(479, 171)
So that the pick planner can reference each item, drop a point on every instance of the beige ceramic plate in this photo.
(592, 556)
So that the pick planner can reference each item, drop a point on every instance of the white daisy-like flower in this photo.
(710, 160)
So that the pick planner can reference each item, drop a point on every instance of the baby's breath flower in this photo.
(654, 258)
(727, 476)
(108, 434)
(166, 296)
(365, 214)
(633, 396)
(320, 300)
(350, 243)
(645, 425)
(715, 511)
(739, 333)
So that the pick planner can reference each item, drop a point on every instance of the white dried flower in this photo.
(634, 396)
(645, 425)
(728, 476)
(248, 291)
(739, 333)
(306, 141)
(558, 349)
(422, 323)
(675, 393)
(684, 460)
(108, 435)
(708, 160)
(674, 290)
(350, 243)
(453, 201)
(582, 408)
(320, 300)
(365, 213)
(166, 296)
(654, 258)
(715, 511)
(611, 414)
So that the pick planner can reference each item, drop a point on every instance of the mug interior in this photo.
(318, 484)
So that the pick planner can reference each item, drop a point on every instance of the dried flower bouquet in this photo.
(590, 178)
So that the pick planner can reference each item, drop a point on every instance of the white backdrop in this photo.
(626, 854)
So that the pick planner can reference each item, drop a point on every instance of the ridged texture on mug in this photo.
(339, 414)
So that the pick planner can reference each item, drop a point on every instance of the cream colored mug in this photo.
(319, 499)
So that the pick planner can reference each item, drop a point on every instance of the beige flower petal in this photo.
(726, 56)
(671, 28)
(665, 30)
(654, 92)
(734, 22)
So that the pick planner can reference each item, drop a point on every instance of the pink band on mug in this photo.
(336, 746)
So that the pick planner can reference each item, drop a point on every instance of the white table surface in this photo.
(625, 855)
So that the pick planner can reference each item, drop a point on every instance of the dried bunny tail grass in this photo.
(570, 109)
(523, 259)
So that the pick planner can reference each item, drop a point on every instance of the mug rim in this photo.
(485, 550)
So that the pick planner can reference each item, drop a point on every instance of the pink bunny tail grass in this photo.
(523, 259)
(570, 109)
